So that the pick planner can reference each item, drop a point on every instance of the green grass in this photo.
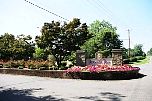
(140, 62)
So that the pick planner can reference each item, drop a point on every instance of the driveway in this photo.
(32, 88)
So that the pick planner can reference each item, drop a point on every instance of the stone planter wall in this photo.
(41, 73)
(109, 75)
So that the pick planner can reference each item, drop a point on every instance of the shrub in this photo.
(14, 64)
(44, 68)
(6, 65)
(20, 67)
(53, 68)
(133, 59)
(105, 53)
(140, 57)
(1, 65)
(126, 61)
(31, 65)
(72, 57)
(21, 63)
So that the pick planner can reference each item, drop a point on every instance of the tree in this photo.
(6, 42)
(138, 50)
(104, 37)
(61, 39)
(150, 52)
(23, 47)
(16, 48)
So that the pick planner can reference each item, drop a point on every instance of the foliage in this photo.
(104, 37)
(135, 54)
(7, 65)
(1, 65)
(6, 42)
(126, 61)
(39, 54)
(16, 48)
(133, 59)
(150, 52)
(140, 57)
(105, 53)
(138, 50)
(20, 67)
(61, 39)
(72, 57)
(125, 53)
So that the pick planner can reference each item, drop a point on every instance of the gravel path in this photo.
(31, 88)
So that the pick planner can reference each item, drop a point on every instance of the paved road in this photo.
(31, 88)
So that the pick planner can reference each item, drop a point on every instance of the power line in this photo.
(45, 10)
(99, 7)
(90, 4)
(103, 7)
(108, 10)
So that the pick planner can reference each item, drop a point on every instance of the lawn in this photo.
(140, 62)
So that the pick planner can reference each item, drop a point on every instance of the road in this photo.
(32, 88)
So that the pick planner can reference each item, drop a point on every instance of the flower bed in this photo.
(103, 72)
(31, 64)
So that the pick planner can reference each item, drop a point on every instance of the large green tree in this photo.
(61, 39)
(104, 38)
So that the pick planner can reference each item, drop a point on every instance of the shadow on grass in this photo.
(25, 95)
(104, 96)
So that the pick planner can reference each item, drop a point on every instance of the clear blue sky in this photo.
(18, 17)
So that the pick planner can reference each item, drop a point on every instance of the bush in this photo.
(53, 68)
(43, 68)
(20, 67)
(1, 65)
(32, 67)
(72, 57)
(133, 59)
(6, 65)
(14, 64)
(105, 53)
(140, 57)
(126, 61)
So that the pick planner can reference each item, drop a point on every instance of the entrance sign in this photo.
(94, 62)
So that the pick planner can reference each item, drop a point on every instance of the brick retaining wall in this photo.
(41, 73)
(110, 75)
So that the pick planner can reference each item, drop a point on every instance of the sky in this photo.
(19, 17)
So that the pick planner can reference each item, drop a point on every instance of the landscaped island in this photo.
(104, 72)
(97, 72)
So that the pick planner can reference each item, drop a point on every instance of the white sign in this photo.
(94, 62)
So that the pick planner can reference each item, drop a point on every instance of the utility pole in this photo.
(129, 42)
